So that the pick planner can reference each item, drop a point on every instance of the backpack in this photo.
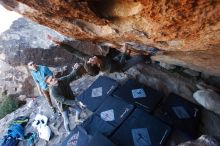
(15, 132)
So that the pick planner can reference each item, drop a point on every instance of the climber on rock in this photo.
(60, 89)
(112, 62)
(38, 73)
(115, 61)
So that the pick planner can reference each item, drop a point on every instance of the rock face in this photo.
(164, 81)
(187, 31)
(26, 41)
(202, 61)
(209, 99)
(184, 25)
(203, 140)
(168, 25)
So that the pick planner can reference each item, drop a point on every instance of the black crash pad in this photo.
(95, 95)
(95, 124)
(77, 137)
(143, 96)
(141, 129)
(100, 140)
(181, 114)
(114, 110)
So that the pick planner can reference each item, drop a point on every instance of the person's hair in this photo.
(91, 69)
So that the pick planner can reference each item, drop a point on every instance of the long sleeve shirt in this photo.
(109, 64)
(62, 92)
(40, 74)
(113, 61)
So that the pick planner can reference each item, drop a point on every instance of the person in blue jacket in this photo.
(39, 72)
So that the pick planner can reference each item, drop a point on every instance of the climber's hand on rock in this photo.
(76, 66)
(55, 40)
(124, 48)
(80, 69)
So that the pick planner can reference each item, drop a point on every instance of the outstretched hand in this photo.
(76, 66)
(80, 69)
(124, 48)
(55, 40)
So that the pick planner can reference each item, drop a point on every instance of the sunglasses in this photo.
(31, 64)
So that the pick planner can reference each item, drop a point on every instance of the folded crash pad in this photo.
(97, 92)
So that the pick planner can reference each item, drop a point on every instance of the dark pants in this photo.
(47, 96)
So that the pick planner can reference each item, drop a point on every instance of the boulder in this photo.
(203, 140)
(209, 99)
